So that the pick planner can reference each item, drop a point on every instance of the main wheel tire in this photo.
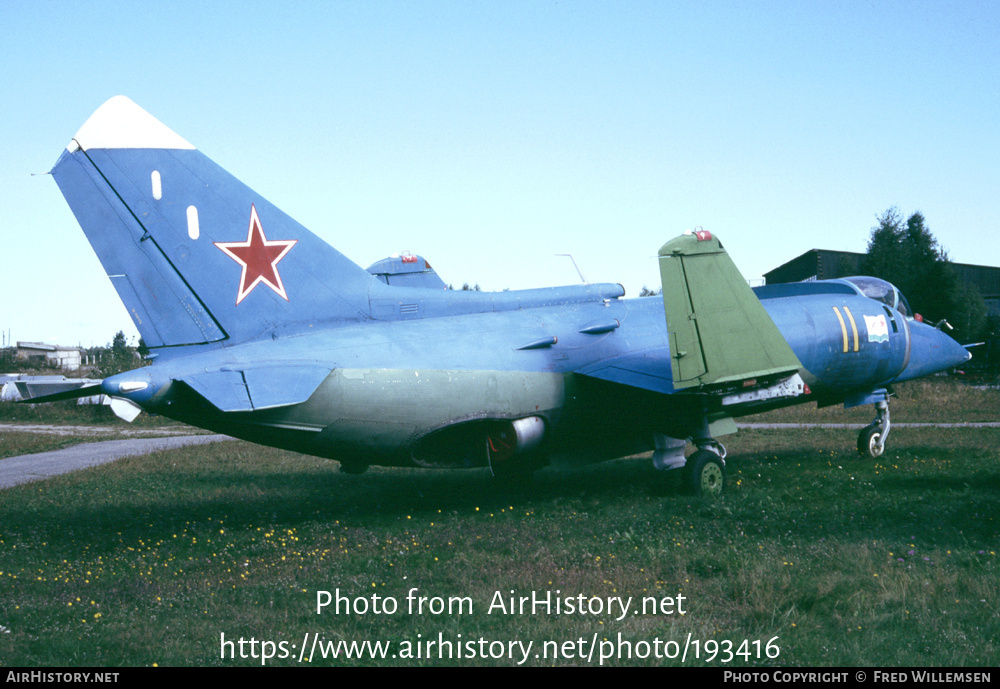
(706, 473)
(868, 442)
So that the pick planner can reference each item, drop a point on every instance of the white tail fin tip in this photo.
(120, 123)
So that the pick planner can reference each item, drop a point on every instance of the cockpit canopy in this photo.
(880, 290)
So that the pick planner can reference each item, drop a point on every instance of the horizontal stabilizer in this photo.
(74, 394)
(225, 390)
(253, 389)
(719, 332)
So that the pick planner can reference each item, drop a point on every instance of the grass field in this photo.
(813, 557)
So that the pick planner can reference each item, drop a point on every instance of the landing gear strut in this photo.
(871, 440)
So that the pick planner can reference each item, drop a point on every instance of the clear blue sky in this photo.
(491, 136)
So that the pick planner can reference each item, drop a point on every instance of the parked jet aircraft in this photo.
(261, 330)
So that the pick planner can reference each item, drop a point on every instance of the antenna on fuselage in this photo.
(578, 271)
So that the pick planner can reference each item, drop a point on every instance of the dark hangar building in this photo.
(823, 264)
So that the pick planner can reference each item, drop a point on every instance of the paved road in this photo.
(42, 465)
(54, 429)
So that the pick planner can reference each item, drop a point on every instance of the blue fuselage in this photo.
(262, 330)
(595, 367)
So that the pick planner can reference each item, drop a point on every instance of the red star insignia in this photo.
(259, 258)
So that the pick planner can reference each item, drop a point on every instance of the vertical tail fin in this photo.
(196, 256)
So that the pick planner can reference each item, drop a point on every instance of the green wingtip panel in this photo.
(719, 331)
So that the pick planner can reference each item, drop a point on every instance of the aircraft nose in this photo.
(931, 351)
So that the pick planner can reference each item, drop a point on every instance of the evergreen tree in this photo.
(884, 258)
(909, 256)
(929, 281)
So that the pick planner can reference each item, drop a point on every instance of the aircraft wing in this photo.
(720, 337)
(648, 370)
(719, 331)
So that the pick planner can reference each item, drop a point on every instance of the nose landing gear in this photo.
(871, 439)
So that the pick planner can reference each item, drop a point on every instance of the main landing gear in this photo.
(703, 473)
(871, 439)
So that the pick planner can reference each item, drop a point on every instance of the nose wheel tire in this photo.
(868, 442)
